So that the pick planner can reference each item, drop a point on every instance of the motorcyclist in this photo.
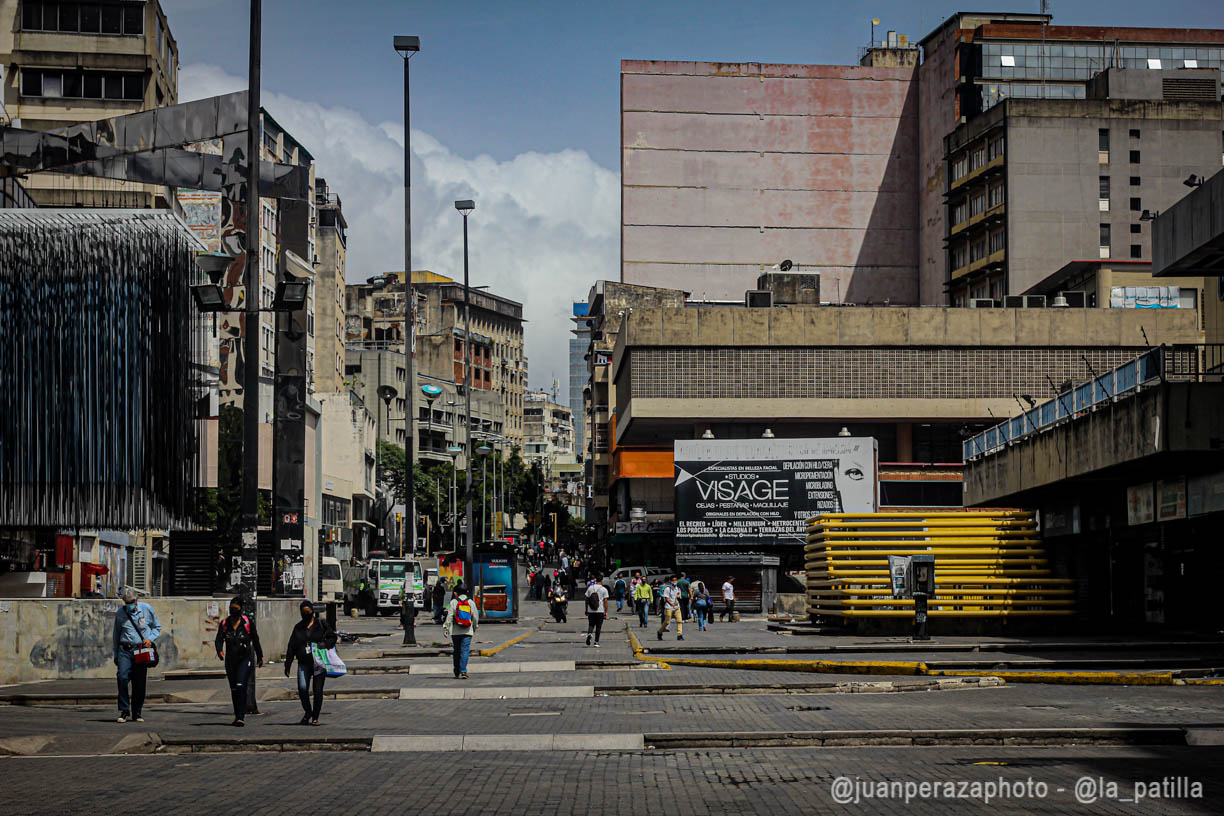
(558, 603)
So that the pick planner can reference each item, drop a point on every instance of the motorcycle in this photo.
(558, 606)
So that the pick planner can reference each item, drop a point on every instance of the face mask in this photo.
(235, 610)
(131, 607)
(307, 614)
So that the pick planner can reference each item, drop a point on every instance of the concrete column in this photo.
(905, 441)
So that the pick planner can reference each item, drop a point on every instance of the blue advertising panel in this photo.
(495, 582)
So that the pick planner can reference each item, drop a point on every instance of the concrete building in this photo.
(729, 168)
(579, 345)
(974, 60)
(915, 379)
(332, 246)
(1036, 183)
(347, 489)
(67, 63)
(548, 428)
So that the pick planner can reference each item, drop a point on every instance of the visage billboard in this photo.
(762, 491)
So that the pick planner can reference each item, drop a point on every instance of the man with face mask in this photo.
(135, 626)
(307, 632)
(237, 642)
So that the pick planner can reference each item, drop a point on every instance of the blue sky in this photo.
(517, 104)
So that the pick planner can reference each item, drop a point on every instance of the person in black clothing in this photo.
(307, 632)
(439, 600)
(408, 618)
(237, 642)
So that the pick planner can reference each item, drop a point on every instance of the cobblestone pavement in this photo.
(768, 782)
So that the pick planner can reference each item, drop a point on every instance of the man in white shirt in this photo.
(671, 608)
(728, 600)
(596, 608)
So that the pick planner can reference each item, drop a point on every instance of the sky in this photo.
(517, 106)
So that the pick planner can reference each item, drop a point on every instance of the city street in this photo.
(698, 734)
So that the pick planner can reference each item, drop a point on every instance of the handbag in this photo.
(326, 661)
(146, 656)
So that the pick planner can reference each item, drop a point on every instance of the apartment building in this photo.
(67, 63)
(329, 290)
(548, 428)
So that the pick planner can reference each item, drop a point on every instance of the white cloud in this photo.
(545, 226)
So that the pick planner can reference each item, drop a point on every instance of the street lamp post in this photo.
(406, 47)
(252, 328)
(465, 208)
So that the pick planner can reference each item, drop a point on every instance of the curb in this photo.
(507, 644)
(886, 687)
(184, 745)
(1155, 735)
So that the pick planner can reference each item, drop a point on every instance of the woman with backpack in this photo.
(310, 631)
(701, 604)
(461, 622)
(237, 638)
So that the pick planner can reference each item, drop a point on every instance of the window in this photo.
(1134, 181)
(1134, 133)
(1135, 229)
(1008, 60)
(997, 242)
(1103, 193)
(84, 18)
(1191, 63)
(995, 150)
(977, 250)
(977, 159)
(1134, 204)
(1103, 140)
(996, 195)
(977, 204)
(82, 84)
(1134, 157)
(1136, 250)
(960, 166)
(959, 257)
(959, 212)
(1104, 241)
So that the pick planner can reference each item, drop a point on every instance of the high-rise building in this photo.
(331, 245)
(579, 345)
(68, 63)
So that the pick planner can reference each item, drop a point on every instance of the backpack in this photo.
(593, 603)
(463, 613)
(238, 640)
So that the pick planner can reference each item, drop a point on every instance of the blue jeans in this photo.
(138, 675)
(462, 648)
(308, 681)
(700, 609)
(642, 608)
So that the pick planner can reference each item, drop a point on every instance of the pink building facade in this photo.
(729, 168)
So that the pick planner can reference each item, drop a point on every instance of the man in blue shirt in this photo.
(135, 626)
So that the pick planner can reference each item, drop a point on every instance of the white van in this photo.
(331, 582)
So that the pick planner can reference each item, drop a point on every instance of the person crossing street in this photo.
(238, 645)
(669, 598)
(596, 609)
(136, 627)
(641, 599)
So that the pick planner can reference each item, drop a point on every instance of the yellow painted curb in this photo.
(639, 653)
(507, 644)
(1204, 681)
(1090, 678)
(909, 667)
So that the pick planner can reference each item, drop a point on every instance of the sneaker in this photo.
(660, 635)
(305, 720)
(123, 717)
(314, 722)
(463, 675)
(588, 640)
(138, 718)
(238, 723)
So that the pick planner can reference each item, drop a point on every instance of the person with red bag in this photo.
(135, 632)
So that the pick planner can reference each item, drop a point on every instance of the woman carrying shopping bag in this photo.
(309, 633)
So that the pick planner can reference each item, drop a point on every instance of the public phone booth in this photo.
(495, 581)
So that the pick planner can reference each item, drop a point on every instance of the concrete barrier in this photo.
(58, 638)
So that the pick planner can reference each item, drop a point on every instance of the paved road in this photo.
(768, 782)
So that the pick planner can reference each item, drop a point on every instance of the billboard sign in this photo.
(762, 491)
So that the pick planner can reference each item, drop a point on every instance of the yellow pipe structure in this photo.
(988, 564)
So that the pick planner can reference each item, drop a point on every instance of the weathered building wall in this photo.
(52, 638)
(728, 169)
(936, 118)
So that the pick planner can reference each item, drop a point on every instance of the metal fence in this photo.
(1195, 363)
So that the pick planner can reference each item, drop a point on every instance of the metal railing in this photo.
(1194, 363)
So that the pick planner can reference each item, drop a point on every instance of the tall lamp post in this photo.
(465, 208)
(406, 47)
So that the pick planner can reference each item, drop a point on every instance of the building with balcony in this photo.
(1038, 185)
(67, 63)
(548, 428)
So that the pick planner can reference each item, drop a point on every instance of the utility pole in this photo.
(406, 47)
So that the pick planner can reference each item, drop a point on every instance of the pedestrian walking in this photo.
(408, 615)
(596, 609)
(701, 604)
(310, 631)
(439, 600)
(686, 595)
(671, 609)
(136, 627)
(641, 599)
(618, 591)
(543, 585)
(461, 622)
(728, 592)
(238, 646)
